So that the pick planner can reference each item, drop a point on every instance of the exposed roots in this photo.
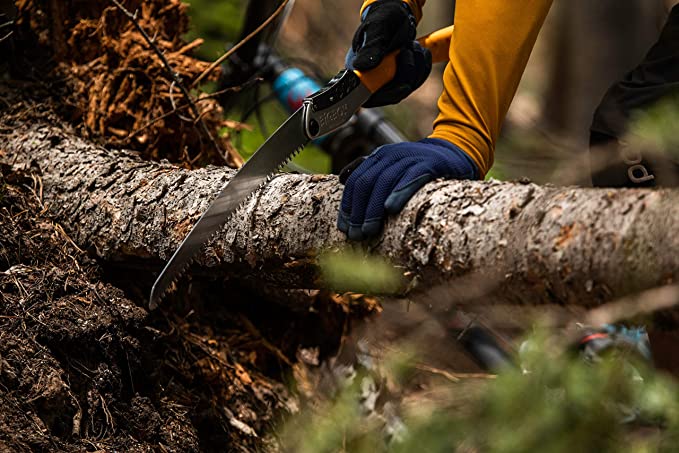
(116, 84)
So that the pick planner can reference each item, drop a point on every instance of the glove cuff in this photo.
(458, 151)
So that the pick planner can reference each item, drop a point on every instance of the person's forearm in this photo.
(489, 51)
(415, 6)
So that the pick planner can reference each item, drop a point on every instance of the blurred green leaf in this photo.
(655, 129)
(350, 270)
(218, 23)
(563, 404)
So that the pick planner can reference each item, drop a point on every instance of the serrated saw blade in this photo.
(273, 154)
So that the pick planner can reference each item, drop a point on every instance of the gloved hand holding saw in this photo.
(386, 26)
(486, 64)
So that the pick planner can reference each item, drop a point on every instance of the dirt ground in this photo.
(85, 367)
(82, 367)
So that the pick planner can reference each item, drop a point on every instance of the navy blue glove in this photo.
(382, 183)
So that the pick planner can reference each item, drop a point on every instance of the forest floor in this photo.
(84, 367)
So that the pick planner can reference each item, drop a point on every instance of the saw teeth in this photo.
(281, 166)
(156, 300)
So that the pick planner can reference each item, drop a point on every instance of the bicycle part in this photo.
(367, 130)
(241, 66)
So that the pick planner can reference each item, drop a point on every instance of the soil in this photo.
(82, 367)
(85, 367)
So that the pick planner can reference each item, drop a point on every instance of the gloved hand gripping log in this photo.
(480, 81)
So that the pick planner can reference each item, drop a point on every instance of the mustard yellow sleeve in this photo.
(491, 43)
(415, 6)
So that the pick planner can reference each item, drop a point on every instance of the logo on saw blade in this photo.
(333, 116)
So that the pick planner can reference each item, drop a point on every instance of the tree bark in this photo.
(497, 241)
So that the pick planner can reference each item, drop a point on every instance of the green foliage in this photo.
(496, 172)
(342, 423)
(217, 23)
(563, 404)
(350, 270)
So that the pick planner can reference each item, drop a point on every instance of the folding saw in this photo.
(322, 113)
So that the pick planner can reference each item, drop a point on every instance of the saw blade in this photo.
(282, 146)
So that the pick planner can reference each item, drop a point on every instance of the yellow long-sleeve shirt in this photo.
(491, 44)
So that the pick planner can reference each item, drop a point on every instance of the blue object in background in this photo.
(292, 86)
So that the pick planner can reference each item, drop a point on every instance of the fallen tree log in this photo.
(509, 242)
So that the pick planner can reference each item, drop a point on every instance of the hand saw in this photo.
(322, 113)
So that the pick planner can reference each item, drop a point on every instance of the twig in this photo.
(62, 232)
(628, 307)
(78, 417)
(235, 48)
(6, 36)
(237, 89)
(174, 106)
(176, 78)
(453, 377)
(198, 342)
